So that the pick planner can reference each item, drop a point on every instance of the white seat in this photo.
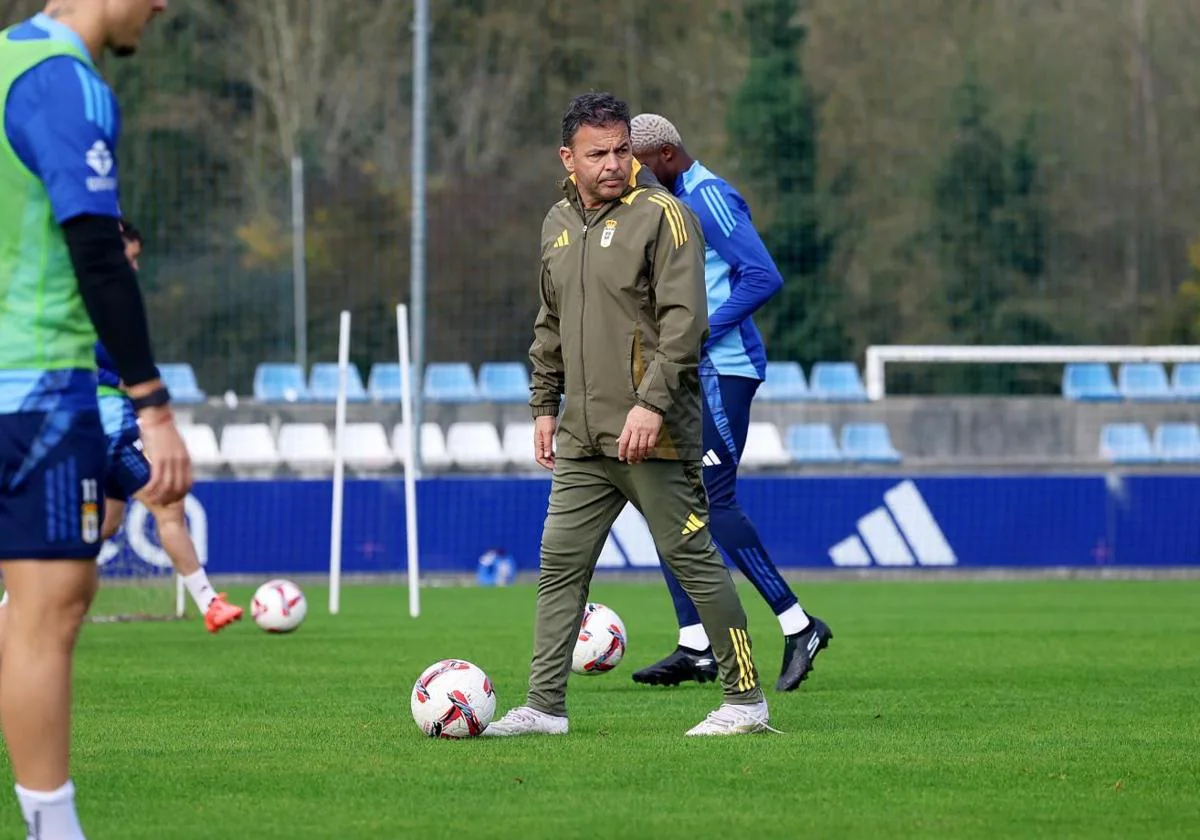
(518, 445)
(433, 446)
(365, 447)
(306, 446)
(249, 446)
(764, 447)
(475, 446)
(201, 443)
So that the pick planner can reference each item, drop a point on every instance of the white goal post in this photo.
(879, 355)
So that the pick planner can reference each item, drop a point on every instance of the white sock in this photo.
(50, 816)
(694, 637)
(201, 590)
(793, 620)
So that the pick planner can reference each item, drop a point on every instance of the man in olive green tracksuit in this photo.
(619, 334)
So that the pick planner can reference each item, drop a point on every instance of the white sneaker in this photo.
(734, 720)
(526, 721)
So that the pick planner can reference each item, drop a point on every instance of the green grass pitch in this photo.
(942, 709)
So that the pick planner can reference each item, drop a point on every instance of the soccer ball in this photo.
(601, 642)
(278, 606)
(453, 699)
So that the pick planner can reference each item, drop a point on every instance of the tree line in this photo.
(930, 171)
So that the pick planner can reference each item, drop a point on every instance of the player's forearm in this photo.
(682, 315)
(549, 374)
(753, 290)
(682, 329)
(113, 299)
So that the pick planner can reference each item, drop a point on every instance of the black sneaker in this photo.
(799, 651)
(684, 665)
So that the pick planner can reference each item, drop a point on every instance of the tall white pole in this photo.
(410, 462)
(299, 264)
(339, 467)
(417, 279)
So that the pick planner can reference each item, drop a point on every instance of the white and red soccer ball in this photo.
(601, 642)
(278, 606)
(453, 699)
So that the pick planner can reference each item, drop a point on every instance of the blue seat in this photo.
(1126, 443)
(503, 382)
(837, 382)
(1144, 382)
(1178, 443)
(1185, 381)
(813, 443)
(450, 382)
(280, 382)
(1089, 382)
(180, 380)
(383, 382)
(323, 383)
(869, 443)
(784, 383)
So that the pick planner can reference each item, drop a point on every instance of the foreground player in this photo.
(741, 277)
(618, 334)
(129, 471)
(63, 279)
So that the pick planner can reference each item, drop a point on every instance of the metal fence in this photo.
(929, 171)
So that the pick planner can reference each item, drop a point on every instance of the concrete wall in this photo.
(931, 432)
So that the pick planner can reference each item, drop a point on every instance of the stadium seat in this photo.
(518, 445)
(276, 382)
(365, 447)
(383, 382)
(201, 444)
(1089, 382)
(1144, 382)
(306, 447)
(180, 380)
(868, 443)
(764, 447)
(503, 382)
(323, 383)
(433, 446)
(249, 447)
(450, 382)
(813, 443)
(1126, 443)
(475, 446)
(784, 383)
(837, 382)
(1178, 443)
(1185, 381)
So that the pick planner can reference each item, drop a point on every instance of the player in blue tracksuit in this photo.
(741, 277)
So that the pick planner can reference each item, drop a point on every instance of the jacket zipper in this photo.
(583, 307)
(582, 322)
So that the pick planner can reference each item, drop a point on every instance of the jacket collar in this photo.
(639, 176)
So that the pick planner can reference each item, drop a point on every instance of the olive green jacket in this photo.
(623, 317)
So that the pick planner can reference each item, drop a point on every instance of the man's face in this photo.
(133, 250)
(601, 159)
(127, 20)
(661, 162)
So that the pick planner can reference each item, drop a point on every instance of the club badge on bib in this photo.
(610, 230)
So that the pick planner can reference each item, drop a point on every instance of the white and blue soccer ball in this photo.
(279, 606)
(453, 699)
(601, 643)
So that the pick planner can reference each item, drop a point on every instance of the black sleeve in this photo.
(109, 288)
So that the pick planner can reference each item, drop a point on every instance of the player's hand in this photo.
(640, 435)
(543, 440)
(170, 464)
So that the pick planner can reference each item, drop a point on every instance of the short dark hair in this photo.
(130, 233)
(594, 109)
